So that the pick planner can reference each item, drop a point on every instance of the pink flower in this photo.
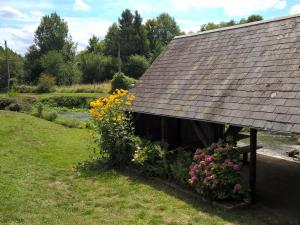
(236, 167)
(192, 180)
(237, 187)
(208, 158)
(202, 164)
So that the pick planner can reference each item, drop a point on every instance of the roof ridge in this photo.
(239, 26)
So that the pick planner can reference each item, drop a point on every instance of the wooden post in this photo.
(162, 130)
(252, 165)
(179, 131)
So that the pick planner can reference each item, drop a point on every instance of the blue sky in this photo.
(19, 19)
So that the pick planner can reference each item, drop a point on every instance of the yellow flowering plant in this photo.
(113, 121)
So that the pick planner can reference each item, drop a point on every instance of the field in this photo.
(39, 185)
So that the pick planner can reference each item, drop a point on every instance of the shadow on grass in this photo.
(250, 215)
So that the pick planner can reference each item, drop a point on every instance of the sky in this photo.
(19, 18)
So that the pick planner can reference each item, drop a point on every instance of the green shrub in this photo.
(25, 89)
(215, 173)
(71, 123)
(6, 101)
(50, 116)
(67, 101)
(121, 81)
(114, 126)
(13, 107)
(46, 83)
(179, 167)
(150, 158)
(136, 66)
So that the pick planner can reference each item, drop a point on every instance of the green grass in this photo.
(38, 184)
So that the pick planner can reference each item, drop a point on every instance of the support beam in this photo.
(179, 132)
(162, 130)
(252, 165)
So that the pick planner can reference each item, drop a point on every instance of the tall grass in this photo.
(85, 88)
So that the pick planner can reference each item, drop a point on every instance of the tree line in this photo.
(53, 52)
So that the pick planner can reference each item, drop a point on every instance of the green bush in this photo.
(215, 173)
(67, 101)
(13, 107)
(179, 166)
(150, 158)
(46, 83)
(121, 81)
(96, 67)
(71, 123)
(115, 127)
(6, 101)
(50, 116)
(136, 66)
(25, 89)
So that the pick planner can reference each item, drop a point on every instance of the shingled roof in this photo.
(246, 75)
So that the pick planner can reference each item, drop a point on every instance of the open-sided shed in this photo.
(244, 76)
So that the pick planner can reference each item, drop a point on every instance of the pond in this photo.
(82, 116)
(274, 144)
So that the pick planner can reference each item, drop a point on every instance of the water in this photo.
(274, 144)
(82, 116)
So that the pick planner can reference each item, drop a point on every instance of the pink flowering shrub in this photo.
(215, 173)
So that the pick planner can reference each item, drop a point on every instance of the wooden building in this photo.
(244, 76)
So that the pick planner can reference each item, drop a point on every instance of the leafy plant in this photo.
(150, 157)
(121, 81)
(136, 66)
(46, 83)
(50, 116)
(114, 126)
(179, 167)
(215, 172)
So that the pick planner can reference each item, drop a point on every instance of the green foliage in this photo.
(179, 166)
(16, 63)
(71, 123)
(96, 68)
(13, 107)
(46, 83)
(52, 48)
(150, 158)
(212, 26)
(95, 45)
(67, 101)
(160, 32)
(136, 66)
(111, 40)
(121, 81)
(24, 88)
(50, 116)
(215, 173)
(6, 101)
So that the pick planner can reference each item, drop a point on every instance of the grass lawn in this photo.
(38, 184)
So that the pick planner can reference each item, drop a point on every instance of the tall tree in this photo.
(112, 39)
(51, 35)
(132, 35)
(160, 32)
(212, 26)
(95, 45)
(16, 62)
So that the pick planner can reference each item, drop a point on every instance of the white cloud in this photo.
(18, 39)
(295, 9)
(7, 12)
(231, 7)
(80, 5)
(189, 25)
(82, 29)
(37, 14)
